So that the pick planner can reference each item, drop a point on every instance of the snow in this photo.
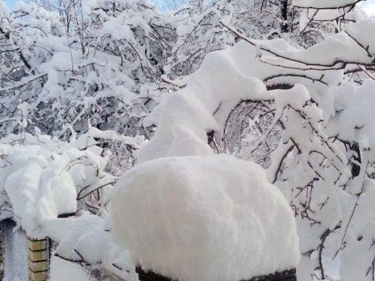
(369, 9)
(311, 114)
(204, 218)
(356, 14)
(3, 9)
(182, 30)
(225, 79)
(111, 135)
(84, 236)
(44, 180)
(336, 48)
(222, 81)
(36, 190)
(15, 247)
(62, 270)
(364, 39)
(184, 118)
(351, 46)
(40, 182)
(118, 29)
(86, 239)
(354, 118)
(323, 4)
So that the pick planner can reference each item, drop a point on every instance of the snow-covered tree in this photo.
(200, 27)
(294, 94)
(73, 67)
(323, 159)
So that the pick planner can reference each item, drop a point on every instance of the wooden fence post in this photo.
(39, 257)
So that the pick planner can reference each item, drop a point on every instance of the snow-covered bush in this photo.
(323, 163)
(61, 190)
(204, 218)
(101, 69)
(43, 179)
(95, 65)
(305, 114)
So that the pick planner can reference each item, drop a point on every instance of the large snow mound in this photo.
(207, 218)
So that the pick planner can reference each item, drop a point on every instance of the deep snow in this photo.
(207, 218)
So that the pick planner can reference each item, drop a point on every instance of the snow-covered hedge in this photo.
(208, 218)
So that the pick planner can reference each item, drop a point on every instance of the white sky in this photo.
(368, 2)
(369, 6)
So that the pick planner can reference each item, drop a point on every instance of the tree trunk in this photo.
(284, 16)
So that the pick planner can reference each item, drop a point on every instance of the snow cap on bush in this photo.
(207, 218)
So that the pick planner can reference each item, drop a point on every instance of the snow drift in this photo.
(207, 218)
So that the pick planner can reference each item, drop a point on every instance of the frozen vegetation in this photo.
(204, 218)
(243, 132)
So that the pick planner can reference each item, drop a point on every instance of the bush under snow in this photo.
(45, 179)
(207, 218)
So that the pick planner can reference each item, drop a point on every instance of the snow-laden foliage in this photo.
(300, 104)
(60, 190)
(43, 179)
(96, 65)
(200, 30)
(104, 64)
(323, 163)
(199, 217)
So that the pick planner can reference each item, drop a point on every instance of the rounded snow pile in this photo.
(211, 218)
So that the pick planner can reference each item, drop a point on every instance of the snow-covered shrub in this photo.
(204, 218)
(323, 163)
(61, 190)
(43, 179)
(100, 69)
(66, 70)
(72, 69)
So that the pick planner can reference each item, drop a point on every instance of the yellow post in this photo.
(38, 251)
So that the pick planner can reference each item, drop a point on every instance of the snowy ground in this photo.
(63, 270)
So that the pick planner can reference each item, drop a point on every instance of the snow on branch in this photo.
(43, 180)
(325, 4)
(336, 52)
